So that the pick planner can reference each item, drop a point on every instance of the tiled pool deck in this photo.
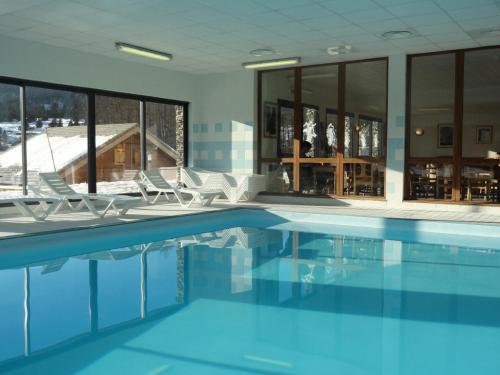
(15, 225)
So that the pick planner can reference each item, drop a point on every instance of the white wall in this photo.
(222, 134)
(40, 62)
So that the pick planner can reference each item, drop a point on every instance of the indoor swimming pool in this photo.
(256, 299)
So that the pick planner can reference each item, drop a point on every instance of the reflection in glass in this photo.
(320, 101)
(279, 177)
(162, 122)
(317, 179)
(481, 183)
(481, 123)
(277, 113)
(286, 128)
(432, 105)
(117, 144)
(310, 146)
(331, 133)
(364, 179)
(366, 100)
(430, 181)
(349, 133)
(10, 139)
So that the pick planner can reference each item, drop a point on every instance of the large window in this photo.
(164, 148)
(57, 134)
(58, 122)
(305, 149)
(10, 139)
(454, 127)
(118, 145)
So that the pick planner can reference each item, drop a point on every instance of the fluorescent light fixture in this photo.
(271, 63)
(144, 52)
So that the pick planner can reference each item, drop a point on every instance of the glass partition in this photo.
(279, 177)
(10, 140)
(430, 181)
(57, 138)
(366, 96)
(432, 106)
(480, 183)
(118, 150)
(481, 122)
(357, 91)
(447, 160)
(317, 179)
(364, 179)
(277, 114)
(319, 113)
(162, 122)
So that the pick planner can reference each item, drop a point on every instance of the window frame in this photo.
(457, 161)
(339, 160)
(91, 93)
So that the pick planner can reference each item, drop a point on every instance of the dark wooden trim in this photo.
(435, 160)
(259, 122)
(91, 118)
(341, 129)
(83, 90)
(318, 160)
(185, 112)
(24, 151)
(91, 145)
(324, 64)
(386, 123)
(458, 124)
(297, 132)
(142, 132)
(277, 160)
(453, 51)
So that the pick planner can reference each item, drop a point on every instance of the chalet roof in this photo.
(58, 148)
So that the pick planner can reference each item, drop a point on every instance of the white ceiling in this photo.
(209, 36)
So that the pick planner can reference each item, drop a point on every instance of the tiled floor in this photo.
(11, 225)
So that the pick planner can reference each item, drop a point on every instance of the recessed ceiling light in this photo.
(144, 52)
(271, 63)
(339, 50)
(263, 52)
(397, 34)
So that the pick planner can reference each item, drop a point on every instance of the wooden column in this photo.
(340, 129)
(297, 133)
(458, 124)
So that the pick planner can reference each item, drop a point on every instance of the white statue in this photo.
(309, 131)
(330, 135)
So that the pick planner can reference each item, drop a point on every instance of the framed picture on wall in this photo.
(484, 135)
(270, 119)
(445, 135)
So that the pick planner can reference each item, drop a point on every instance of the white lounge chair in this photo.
(152, 180)
(39, 212)
(52, 185)
(236, 187)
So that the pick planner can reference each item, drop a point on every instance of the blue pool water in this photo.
(246, 300)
